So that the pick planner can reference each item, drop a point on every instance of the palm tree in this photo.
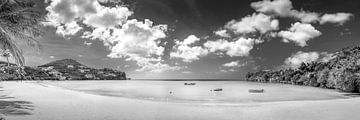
(19, 21)
(6, 54)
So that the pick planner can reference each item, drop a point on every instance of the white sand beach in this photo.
(56, 103)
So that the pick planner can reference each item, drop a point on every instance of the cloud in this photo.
(299, 33)
(158, 67)
(222, 33)
(131, 39)
(240, 47)
(52, 57)
(186, 72)
(296, 59)
(306, 17)
(186, 52)
(229, 70)
(338, 18)
(62, 14)
(233, 64)
(190, 40)
(280, 8)
(300, 57)
(68, 29)
(88, 43)
(284, 8)
(253, 23)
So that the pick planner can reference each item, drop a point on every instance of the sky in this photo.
(177, 39)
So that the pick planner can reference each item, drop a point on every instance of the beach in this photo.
(50, 102)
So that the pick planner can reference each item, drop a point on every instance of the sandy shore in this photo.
(54, 103)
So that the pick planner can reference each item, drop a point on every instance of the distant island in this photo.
(66, 69)
(342, 72)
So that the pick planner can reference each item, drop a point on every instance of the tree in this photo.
(19, 20)
(6, 55)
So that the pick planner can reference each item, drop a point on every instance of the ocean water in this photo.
(176, 91)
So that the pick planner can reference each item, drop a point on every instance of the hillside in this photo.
(342, 73)
(66, 69)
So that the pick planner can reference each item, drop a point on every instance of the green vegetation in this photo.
(66, 69)
(342, 73)
(19, 21)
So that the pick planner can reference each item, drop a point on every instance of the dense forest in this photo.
(342, 72)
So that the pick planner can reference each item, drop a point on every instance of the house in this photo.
(70, 66)
(90, 76)
(84, 70)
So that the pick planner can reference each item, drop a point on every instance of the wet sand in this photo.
(56, 103)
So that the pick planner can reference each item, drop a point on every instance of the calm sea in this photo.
(174, 90)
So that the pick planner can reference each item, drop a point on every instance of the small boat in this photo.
(189, 83)
(256, 90)
(218, 89)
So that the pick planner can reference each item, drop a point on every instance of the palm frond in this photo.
(19, 21)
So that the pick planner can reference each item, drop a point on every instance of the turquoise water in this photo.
(176, 91)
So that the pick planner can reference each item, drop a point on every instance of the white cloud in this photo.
(306, 17)
(326, 57)
(186, 52)
(253, 23)
(63, 15)
(338, 18)
(131, 39)
(240, 47)
(222, 33)
(68, 29)
(190, 40)
(88, 43)
(233, 64)
(296, 59)
(158, 67)
(186, 72)
(52, 57)
(300, 33)
(280, 8)
(284, 8)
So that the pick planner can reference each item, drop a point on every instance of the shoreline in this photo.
(60, 103)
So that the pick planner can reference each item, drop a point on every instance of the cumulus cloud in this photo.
(63, 12)
(300, 33)
(280, 8)
(284, 8)
(222, 33)
(253, 23)
(88, 43)
(233, 64)
(240, 47)
(68, 29)
(131, 39)
(338, 18)
(186, 52)
(158, 67)
(296, 59)
(300, 57)
(186, 72)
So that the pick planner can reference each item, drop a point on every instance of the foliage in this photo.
(19, 20)
(342, 73)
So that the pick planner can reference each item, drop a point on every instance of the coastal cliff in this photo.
(66, 69)
(342, 72)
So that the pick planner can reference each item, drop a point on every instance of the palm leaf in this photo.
(19, 21)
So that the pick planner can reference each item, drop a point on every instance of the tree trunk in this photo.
(8, 63)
